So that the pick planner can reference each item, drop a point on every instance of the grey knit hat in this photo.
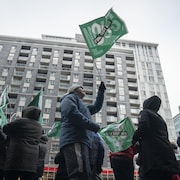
(73, 87)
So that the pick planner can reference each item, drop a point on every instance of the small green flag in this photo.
(3, 119)
(100, 34)
(4, 101)
(118, 135)
(37, 101)
(55, 129)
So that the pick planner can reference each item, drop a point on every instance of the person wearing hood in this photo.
(23, 145)
(158, 157)
(42, 155)
(76, 131)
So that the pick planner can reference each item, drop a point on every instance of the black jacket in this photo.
(42, 155)
(2, 149)
(24, 136)
(156, 150)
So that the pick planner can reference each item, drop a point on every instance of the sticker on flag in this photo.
(118, 135)
(100, 34)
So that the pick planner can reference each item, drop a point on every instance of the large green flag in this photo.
(118, 135)
(37, 101)
(4, 101)
(55, 129)
(100, 34)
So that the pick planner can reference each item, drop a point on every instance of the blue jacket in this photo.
(97, 153)
(76, 122)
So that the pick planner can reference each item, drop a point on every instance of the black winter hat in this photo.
(152, 103)
(31, 112)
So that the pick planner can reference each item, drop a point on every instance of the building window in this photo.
(48, 103)
(122, 109)
(1, 47)
(24, 89)
(55, 61)
(68, 52)
(26, 85)
(29, 74)
(22, 101)
(34, 51)
(26, 47)
(10, 57)
(99, 118)
(132, 45)
(51, 159)
(56, 53)
(33, 58)
(150, 50)
(5, 72)
(54, 147)
(47, 49)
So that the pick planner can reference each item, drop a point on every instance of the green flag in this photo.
(100, 34)
(3, 119)
(4, 101)
(37, 101)
(55, 129)
(118, 135)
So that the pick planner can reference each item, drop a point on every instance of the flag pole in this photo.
(97, 70)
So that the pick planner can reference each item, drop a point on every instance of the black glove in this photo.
(102, 86)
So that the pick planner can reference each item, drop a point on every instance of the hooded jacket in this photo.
(155, 148)
(76, 122)
(42, 154)
(24, 136)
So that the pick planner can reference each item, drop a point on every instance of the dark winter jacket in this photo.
(61, 170)
(2, 149)
(77, 123)
(156, 150)
(96, 153)
(24, 136)
(42, 155)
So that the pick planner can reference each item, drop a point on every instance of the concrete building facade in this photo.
(131, 71)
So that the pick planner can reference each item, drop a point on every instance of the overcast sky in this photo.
(155, 21)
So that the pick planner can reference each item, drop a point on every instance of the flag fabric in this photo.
(55, 129)
(37, 101)
(3, 119)
(4, 101)
(100, 34)
(118, 135)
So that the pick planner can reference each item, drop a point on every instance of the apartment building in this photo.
(131, 71)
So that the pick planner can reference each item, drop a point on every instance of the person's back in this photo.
(122, 163)
(158, 158)
(42, 155)
(23, 147)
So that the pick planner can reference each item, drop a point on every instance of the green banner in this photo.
(118, 135)
(55, 129)
(100, 34)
